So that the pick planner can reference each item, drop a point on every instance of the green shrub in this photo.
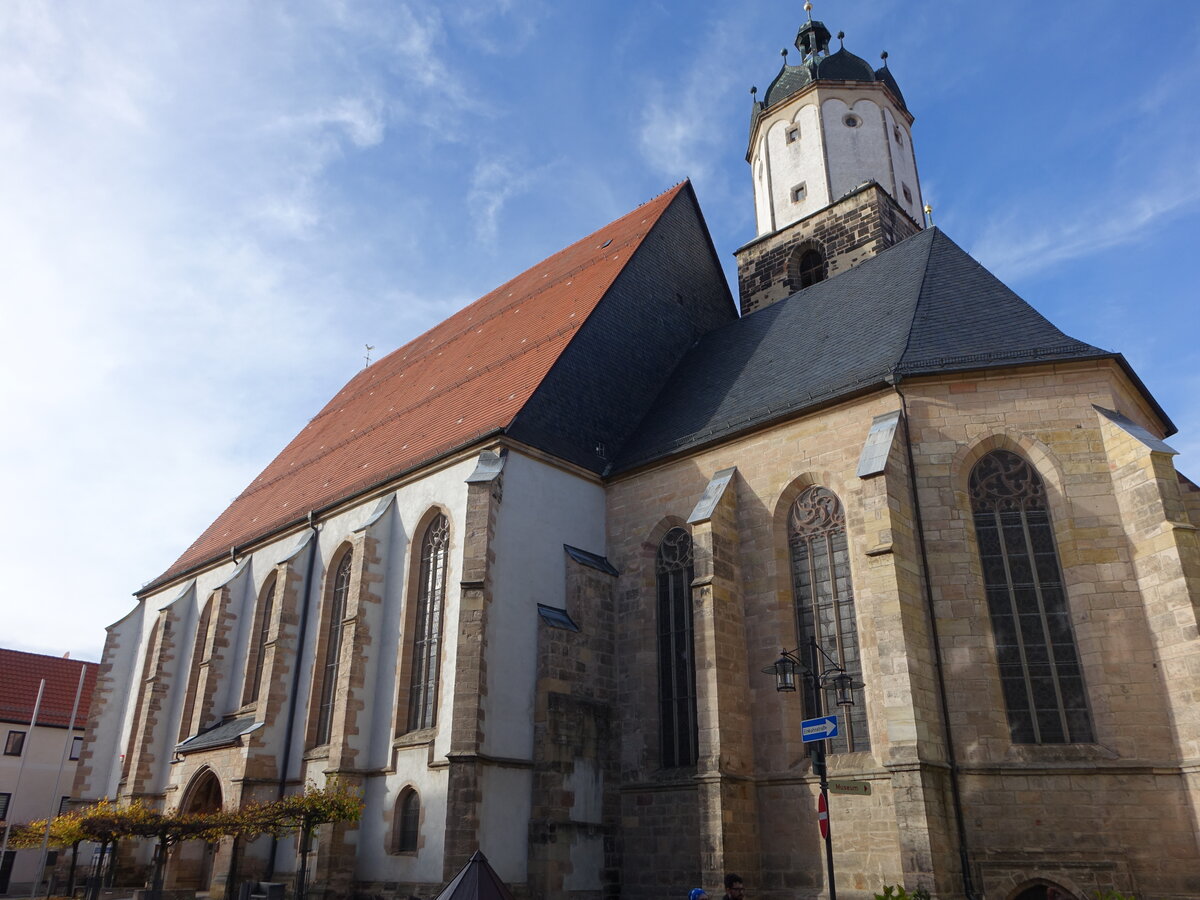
(896, 892)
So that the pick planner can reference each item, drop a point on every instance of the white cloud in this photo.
(1041, 236)
(493, 183)
(163, 332)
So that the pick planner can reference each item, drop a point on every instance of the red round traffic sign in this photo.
(823, 815)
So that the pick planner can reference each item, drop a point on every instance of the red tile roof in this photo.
(20, 674)
(461, 380)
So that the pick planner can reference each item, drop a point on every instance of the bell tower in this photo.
(834, 172)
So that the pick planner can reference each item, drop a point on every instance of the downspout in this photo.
(291, 716)
(955, 793)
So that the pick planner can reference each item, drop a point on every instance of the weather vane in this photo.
(367, 357)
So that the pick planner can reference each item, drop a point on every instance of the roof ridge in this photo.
(429, 397)
(908, 332)
(50, 656)
(637, 237)
(463, 332)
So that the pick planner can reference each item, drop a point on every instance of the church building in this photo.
(519, 581)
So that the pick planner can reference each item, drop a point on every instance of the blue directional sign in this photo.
(819, 729)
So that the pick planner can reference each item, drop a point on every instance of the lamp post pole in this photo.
(819, 763)
(835, 678)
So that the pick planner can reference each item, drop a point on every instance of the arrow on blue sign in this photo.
(819, 729)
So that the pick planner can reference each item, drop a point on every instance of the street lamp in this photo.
(832, 677)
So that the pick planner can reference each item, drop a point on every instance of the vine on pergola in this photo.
(106, 822)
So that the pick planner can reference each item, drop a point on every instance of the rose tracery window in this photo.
(824, 601)
(674, 572)
(1040, 672)
(427, 630)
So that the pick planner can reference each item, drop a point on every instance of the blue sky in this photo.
(207, 209)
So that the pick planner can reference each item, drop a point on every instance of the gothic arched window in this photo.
(199, 654)
(258, 650)
(676, 656)
(1040, 672)
(406, 827)
(333, 646)
(811, 268)
(825, 603)
(427, 626)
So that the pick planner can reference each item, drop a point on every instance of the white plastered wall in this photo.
(444, 488)
(543, 508)
(856, 154)
(795, 163)
(829, 158)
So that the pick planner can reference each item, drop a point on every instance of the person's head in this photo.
(697, 894)
(733, 885)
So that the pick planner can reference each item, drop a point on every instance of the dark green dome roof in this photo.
(820, 65)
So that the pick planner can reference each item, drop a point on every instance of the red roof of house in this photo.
(460, 381)
(20, 675)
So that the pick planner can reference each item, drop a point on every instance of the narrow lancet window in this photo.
(333, 646)
(676, 653)
(1040, 671)
(427, 626)
(266, 606)
(824, 601)
(407, 824)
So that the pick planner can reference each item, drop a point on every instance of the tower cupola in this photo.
(828, 128)
(812, 38)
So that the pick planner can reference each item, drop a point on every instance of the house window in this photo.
(266, 605)
(333, 646)
(63, 804)
(907, 193)
(407, 824)
(4, 800)
(800, 193)
(14, 743)
(792, 134)
(1040, 673)
(851, 121)
(824, 601)
(76, 747)
(427, 630)
(676, 650)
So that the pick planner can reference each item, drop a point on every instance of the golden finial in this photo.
(928, 213)
(808, 9)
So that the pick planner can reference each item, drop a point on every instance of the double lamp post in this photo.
(823, 673)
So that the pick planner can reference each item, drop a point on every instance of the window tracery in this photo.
(1040, 672)
(824, 599)
(427, 631)
(333, 646)
(674, 572)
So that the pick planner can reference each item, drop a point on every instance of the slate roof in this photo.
(20, 674)
(923, 306)
(477, 880)
(220, 735)
(459, 382)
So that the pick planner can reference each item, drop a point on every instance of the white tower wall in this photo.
(802, 161)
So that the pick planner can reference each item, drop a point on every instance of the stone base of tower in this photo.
(859, 225)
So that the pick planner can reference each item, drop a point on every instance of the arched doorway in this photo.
(192, 861)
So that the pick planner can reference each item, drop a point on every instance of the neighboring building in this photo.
(519, 579)
(42, 756)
